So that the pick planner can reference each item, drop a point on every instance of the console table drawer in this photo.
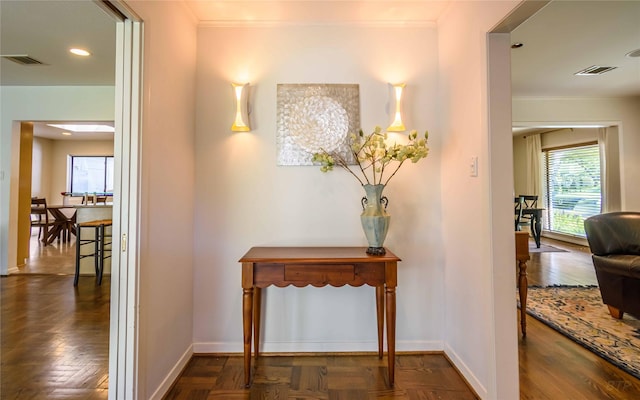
(319, 273)
(356, 274)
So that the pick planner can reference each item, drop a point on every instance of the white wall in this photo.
(245, 199)
(610, 111)
(480, 325)
(166, 195)
(37, 103)
(41, 168)
(49, 178)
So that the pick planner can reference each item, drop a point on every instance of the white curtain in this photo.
(534, 172)
(602, 147)
(609, 168)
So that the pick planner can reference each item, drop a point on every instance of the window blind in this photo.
(91, 174)
(573, 190)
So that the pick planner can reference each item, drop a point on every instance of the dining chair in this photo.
(94, 199)
(40, 218)
(517, 210)
(528, 202)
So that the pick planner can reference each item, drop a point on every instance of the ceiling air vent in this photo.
(595, 70)
(22, 59)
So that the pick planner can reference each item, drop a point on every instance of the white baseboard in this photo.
(171, 377)
(475, 383)
(315, 347)
(566, 238)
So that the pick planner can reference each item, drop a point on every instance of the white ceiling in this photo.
(317, 11)
(44, 130)
(568, 36)
(46, 30)
(562, 38)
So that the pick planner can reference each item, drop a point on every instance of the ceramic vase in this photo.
(374, 218)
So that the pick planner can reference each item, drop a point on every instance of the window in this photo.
(572, 187)
(91, 174)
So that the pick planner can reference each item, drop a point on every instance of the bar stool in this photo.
(100, 240)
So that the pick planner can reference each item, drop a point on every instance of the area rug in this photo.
(578, 313)
(544, 248)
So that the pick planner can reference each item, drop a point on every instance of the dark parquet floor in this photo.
(422, 376)
(55, 338)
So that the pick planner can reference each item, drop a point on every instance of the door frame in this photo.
(124, 315)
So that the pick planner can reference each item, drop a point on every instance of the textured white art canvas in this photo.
(315, 117)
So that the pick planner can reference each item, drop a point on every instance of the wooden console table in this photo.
(317, 266)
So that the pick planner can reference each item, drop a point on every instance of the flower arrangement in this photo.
(377, 161)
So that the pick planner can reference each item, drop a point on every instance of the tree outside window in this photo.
(573, 187)
(91, 174)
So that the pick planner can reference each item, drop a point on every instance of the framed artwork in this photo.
(315, 117)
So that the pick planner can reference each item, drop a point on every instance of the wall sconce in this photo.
(241, 120)
(395, 108)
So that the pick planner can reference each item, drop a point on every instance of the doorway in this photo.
(578, 168)
(57, 149)
(539, 108)
(121, 100)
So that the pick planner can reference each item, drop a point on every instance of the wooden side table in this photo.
(318, 266)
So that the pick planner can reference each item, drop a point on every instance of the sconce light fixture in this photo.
(395, 108)
(241, 120)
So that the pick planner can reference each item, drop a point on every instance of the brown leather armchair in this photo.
(614, 240)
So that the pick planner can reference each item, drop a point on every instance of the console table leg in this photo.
(380, 318)
(247, 318)
(257, 311)
(391, 332)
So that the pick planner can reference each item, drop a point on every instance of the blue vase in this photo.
(374, 218)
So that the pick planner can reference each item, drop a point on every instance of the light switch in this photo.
(473, 166)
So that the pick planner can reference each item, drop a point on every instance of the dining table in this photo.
(64, 219)
(535, 214)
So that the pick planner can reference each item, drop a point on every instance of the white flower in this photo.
(374, 157)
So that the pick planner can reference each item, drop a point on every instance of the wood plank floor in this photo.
(55, 345)
(552, 366)
(571, 267)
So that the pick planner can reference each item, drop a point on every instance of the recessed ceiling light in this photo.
(65, 133)
(633, 53)
(517, 45)
(80, 52)
(84, 128)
